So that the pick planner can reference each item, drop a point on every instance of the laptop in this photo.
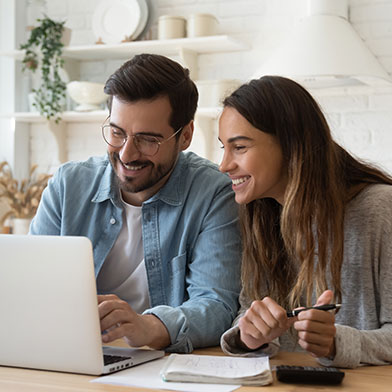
(49, 311)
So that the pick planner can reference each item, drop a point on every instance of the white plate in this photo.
(143, 18)
(115, 20)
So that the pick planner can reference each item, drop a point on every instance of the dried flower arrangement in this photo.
(21, 197)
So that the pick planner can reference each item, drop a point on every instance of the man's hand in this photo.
(264, 321)
(316, 329)
(119, 320)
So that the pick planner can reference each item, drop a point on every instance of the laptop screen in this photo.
(48, 291)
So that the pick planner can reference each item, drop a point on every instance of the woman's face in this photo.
(252, 158)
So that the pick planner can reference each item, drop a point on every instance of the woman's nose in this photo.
(226, 163)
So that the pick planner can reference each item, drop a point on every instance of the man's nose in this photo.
(129, 151)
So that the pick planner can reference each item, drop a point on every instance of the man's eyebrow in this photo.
(112, 124)
(159, 135)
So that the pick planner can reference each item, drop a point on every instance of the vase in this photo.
(20, 225)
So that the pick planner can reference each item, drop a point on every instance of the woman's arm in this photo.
(256, 329)
(355, 347)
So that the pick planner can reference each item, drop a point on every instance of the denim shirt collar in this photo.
(107, 188)
(170, 193)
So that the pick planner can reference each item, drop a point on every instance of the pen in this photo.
(296, 312)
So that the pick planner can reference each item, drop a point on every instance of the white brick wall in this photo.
(361, 120)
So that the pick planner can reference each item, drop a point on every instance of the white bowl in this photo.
(88, 95)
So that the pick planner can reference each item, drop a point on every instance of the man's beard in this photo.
(157, 173)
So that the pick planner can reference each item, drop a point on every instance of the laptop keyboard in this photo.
(109, 359)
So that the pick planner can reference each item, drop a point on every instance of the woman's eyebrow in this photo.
(237, 138)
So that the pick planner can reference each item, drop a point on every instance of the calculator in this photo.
(309, 374)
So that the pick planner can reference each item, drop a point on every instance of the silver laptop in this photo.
(49, 311)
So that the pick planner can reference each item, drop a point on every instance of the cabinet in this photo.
(187, 49)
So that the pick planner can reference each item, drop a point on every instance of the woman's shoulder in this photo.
(374, 194)
(374, 201)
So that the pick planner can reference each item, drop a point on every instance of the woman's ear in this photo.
(186, 135)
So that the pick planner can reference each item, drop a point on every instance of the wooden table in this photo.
(367, 379)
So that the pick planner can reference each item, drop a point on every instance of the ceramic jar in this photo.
(20, 225)
(200, 25)
(171, 27)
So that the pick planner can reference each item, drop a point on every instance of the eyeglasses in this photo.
(145, 144)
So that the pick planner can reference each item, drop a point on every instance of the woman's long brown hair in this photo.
(293, 250)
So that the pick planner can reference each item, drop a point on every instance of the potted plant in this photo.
(44, 50)
(21, 197)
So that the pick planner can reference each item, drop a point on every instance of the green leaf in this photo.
(43, 51)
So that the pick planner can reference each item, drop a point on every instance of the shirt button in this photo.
(112, 221)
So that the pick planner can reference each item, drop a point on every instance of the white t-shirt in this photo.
(123, 272)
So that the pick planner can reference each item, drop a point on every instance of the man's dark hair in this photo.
(149, 76)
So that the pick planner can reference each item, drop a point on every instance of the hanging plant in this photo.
(43, 51)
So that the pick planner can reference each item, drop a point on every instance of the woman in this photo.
(317, 228)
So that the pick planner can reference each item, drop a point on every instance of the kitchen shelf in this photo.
(187, 49)
(67, 117)
(93, 116)
(211, 44)
(98, 116)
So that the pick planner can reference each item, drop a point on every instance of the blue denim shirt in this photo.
(190, 237)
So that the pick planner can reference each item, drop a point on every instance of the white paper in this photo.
(218, 366)
(147, 375)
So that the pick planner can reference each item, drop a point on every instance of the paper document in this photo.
(147, 375)
(217, 369)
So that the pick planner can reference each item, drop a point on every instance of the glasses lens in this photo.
(147, 145)
(113, 136)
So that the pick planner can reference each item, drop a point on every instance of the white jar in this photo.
(171, 27)
(21, 225)
(199, 25)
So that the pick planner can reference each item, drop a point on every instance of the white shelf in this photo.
(187, 49)
(94, 116)
(211, 44)
(68, 117)
(59, 129)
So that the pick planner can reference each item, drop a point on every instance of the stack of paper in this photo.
(217, 369)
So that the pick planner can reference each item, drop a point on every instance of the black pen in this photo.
(296, 312)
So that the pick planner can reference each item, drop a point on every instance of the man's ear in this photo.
(186, 135)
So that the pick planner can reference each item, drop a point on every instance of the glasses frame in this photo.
(157, 141)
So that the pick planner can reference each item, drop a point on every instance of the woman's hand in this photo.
(316, 329)
(264, 321)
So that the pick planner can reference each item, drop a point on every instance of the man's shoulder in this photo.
(196, 168)
(93, 165)
(89, 175)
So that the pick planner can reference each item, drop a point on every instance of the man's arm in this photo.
(47, 220)
(212, 280)
(118, 320)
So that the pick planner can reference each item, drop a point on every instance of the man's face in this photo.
(140, 176)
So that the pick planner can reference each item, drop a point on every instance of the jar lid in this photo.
(202, 16)
(166, 17)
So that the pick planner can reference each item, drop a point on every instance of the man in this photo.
(163, 223)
